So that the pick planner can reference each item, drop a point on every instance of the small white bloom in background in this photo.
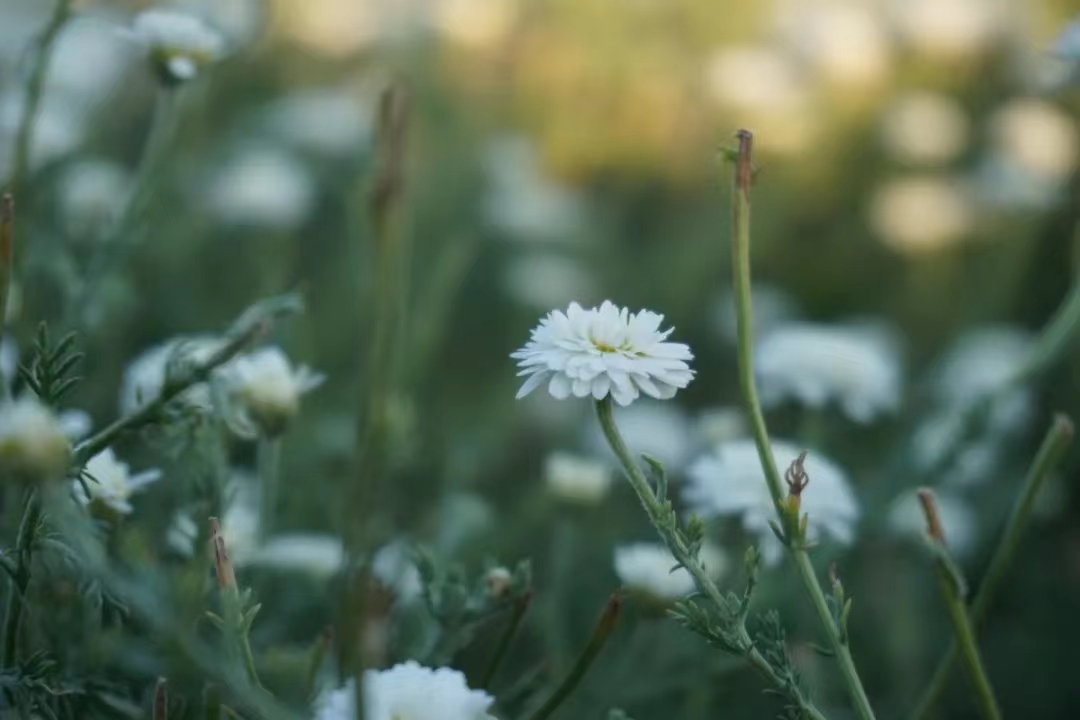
(855, 367)
(922, 214)
(318, 554)
(408, 691)
(59, 129)
(603, 351)
(33, 444)
(649, 569)
(769, 305)
(327, 122)
(723, 424)
(91, 195)
(660, 430)
(146, 375)
(948, 29)
(179, 44)
(262, 188)
(240, 20)
(906, 519)
(88, 63)
(925, 128)
(498, 580)
(543, 281)
(1037, 137)
(576, 478)
(111, 483)
(76, 424)
(729, 481)
(266, 389)
(239, 524)
(395, 570)
(845, 43)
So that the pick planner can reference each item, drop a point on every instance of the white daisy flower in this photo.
(178, 43)
(857, 368)
(906, 519)
(602, 351)
(262, 188)
(408, 691)
(395, 570)
(145, 376)
(730, 481)
(111, 483)
(577, 479)
(33, 443)
(266, 388)
(319, 554)
(649, 569)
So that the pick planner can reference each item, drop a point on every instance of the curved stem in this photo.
(740, 249)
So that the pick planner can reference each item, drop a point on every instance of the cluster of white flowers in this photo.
(111, 484)
(603, 351)
(651, 570)
(178, 43)
(408, 691)
(731, 482)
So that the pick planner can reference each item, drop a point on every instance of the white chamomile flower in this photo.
(577, 479)
(906, 519)
(408, 691)
(266, 388)
(857, 368)
(395, 570)
(649, 569)
(730, 481)
(179, 44)
(603, 351)
(111, 484)
(318, 554)
(33, 444)
(146, 375)
(263, 188)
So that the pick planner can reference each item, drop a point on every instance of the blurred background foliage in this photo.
(918, 169)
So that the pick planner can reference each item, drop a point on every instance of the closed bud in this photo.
(33, 444)
(498, 581)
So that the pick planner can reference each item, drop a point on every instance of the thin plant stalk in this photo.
(600, 634)
(7, 270)
(654, 509)
(951, 584)
(1058, 439)
(268, 461)
(20, 581)
(517, 614)
(741, 267)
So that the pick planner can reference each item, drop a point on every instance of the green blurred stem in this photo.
(7, 270)
(1057, 441)
(20, 580)
(740, 249)
(268, 459)
(601, 632)
(656, 513)
(1055, 338)
(35, 89)
(517, 614)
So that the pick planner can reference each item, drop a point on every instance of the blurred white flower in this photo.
(1037, 138)
(522, 201)
(319, 554)
(857, 368)
(179, 44)
(76, 424)
(921, 213)
(543, 281)
(33, 444)
(649, 569)
(408, 691)
(58, 129)
(576, 478)
(925, 128)
(730, 481)
(111, 483)
(145, 376)
(395, 570)
(906, 519)
(722, 424)
(948, 28)
(475, 23)
(844, 41)
(239, 20)
(239, 524)
(661, 430)
(91, 195)
(769, 305)
(266, 389)
(88, 61)
(331, 123)
(603, 351)
(463, 517)
(262, 188)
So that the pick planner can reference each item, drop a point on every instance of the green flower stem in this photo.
(34, 90)
(740, 249)
(601, 632)
(656, 511)
(7, 270)
(24, 548)
(268, 460)
(1057, 441)
(517, 614)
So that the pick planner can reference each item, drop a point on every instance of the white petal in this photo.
(559, 387)
(534, 381)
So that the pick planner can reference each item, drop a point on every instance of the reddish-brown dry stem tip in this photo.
(226, 575)
(744, 166)
(933, 520)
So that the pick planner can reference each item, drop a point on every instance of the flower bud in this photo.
(267, 389)
(33, 445)
(498, 581)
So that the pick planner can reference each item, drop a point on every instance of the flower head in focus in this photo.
(179, 44)
(577, 479)
(730, 481)
(266, 389)
(854, 367)
(33, 443)
(408, 691)
(111, 484)
(603, 351)
(650, 569)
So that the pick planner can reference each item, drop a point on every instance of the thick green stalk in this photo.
(601, 632)
(655, 511)
(740, 255)
(1057, 441)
